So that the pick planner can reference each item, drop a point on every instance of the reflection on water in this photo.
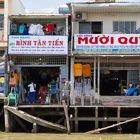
(38, 136)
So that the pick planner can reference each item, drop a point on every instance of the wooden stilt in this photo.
(119, 129)
(138, 127)
(104, 123)
(7, 120)
(76, 120)
(34, 130)
(67, 117)
(96, 116)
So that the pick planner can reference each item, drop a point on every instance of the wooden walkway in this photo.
(110, 109)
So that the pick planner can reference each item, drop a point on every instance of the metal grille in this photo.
(119, 65)
(42, 60)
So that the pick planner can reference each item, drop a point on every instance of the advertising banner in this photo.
(107, 43)
(56, 45)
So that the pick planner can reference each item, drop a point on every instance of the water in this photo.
(38, 136)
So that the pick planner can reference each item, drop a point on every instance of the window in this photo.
(1, 5)
(90, 27)
(127, 27)
(96, 27)
(84, 28)
(1, 22)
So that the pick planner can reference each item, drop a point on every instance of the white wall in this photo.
(108, 18)
(15, 7)
(12, 7)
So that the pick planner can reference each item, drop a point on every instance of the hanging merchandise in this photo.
(87, 86)
(39, 30)
(78, 91)
(77, 70)
(32, 29)
(26, 30)
(86, 69)
(12, 97)
(60, 30)
(49, 28)
(13, 29)
(36, 29)
(21, 29)
(12, 80)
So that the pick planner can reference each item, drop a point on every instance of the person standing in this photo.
(32, 92)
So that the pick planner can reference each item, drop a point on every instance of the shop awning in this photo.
(36, 17)
(106, 7)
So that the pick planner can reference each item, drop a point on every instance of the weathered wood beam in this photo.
(66, 115)
(111, 126)
(33, 119)
(7, 120)
(45, 113)
(109, 119)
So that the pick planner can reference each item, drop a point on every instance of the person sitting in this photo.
(132, 91)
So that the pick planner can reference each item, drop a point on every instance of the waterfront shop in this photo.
(106, 38)
(117, 59)
(38, 52)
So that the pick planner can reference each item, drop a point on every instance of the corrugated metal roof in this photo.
(106, 7)
(39, 16)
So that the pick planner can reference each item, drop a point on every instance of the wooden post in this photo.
(96, 116)
(94, 80)
(76, 120)
(98, 77)
(34, 130)
(118, 120)
(67, 117)
(7, 120)
(138, 127)
(104, 123)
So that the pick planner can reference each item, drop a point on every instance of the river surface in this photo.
(79, 136)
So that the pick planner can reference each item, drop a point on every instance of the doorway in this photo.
(112, 81)
(42, 76)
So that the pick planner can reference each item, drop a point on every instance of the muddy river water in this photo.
(79, 136)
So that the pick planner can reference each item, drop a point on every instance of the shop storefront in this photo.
(114, 61)
(40, 58)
